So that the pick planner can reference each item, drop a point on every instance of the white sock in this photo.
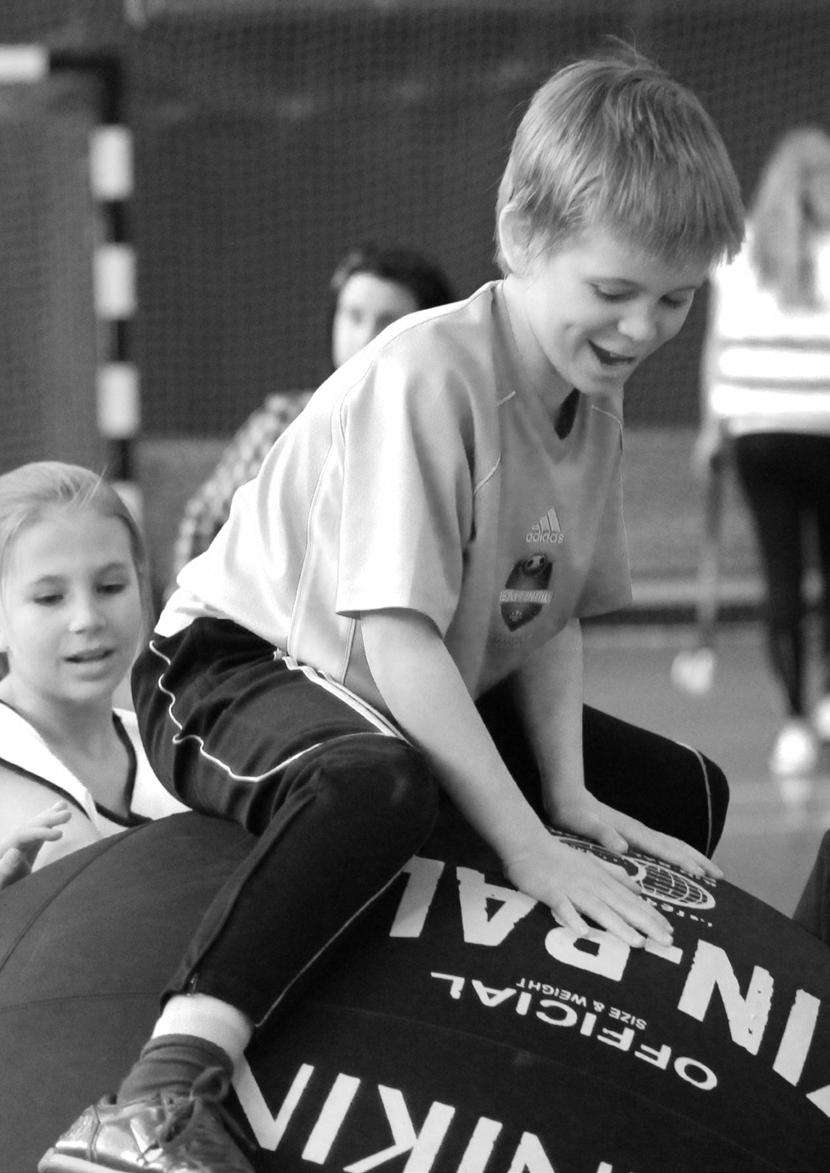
(206, 1018)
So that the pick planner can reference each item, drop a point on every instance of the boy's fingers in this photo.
(617, 907)
(639, 912)
(691, 861)
(676, 851)
(564, 912)
(710, 868)
(619, 874)
(645, 919)
(610, 839)
(615, 921)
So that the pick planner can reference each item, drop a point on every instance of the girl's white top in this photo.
(767, 366)
(24, 750)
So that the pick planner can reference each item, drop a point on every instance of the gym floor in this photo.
(768, 847)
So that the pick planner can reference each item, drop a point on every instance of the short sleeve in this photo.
(207, 510)
(406, 512)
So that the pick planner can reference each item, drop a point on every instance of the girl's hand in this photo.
(586, 815)
(18, 851)
(573, 883)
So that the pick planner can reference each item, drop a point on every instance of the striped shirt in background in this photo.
(767, 368)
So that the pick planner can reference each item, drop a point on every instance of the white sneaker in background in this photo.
(821, 718)
(796, 750)
(693, 670)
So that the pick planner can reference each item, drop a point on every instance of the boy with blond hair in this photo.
(432, 528)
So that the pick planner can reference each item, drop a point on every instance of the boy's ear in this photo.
(515, 235)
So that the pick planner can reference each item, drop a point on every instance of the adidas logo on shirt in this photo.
(546, 531)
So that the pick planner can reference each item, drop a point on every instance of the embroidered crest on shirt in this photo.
(546, 530)
(526, 590)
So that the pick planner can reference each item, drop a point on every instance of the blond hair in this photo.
(781, 244)
(613, 141)
(29, 491)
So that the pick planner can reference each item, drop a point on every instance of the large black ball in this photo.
(460, 1030)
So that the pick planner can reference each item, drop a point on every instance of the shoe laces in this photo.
(192, 1121)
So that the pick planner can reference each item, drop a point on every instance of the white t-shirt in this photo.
(424, 474)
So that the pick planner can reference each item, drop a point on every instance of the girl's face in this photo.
(70, 608)
(366, 305)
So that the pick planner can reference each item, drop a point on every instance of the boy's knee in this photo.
(389, 774)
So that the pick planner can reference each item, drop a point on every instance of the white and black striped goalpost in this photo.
(111, 175)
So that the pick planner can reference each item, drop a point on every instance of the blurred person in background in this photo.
(370, 288)
(766, 394)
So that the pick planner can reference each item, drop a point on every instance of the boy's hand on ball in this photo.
(586, 815)
(575, 885)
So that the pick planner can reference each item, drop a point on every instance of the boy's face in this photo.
(597, 306)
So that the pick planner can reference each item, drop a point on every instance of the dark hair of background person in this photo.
(416, 272)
